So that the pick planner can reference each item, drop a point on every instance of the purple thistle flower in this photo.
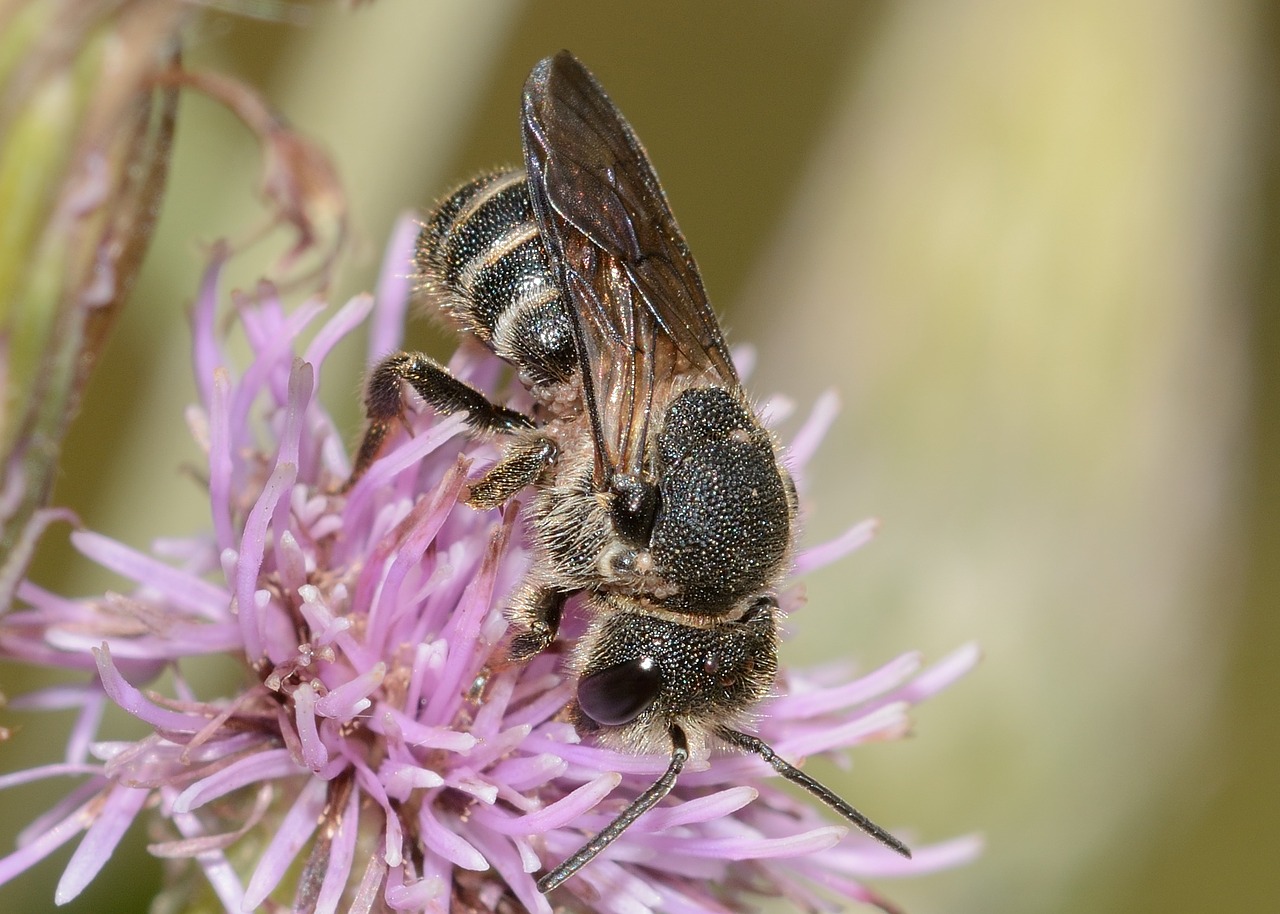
(382, 748)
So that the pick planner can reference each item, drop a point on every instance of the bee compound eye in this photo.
(618, 694)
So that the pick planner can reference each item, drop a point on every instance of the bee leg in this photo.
(537, 610)
(522, 465)
(384, 402)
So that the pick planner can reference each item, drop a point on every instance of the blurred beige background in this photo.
(1034, 247)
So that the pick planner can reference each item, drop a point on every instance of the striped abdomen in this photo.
(481, 256)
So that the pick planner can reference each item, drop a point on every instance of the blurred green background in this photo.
(1033, 245)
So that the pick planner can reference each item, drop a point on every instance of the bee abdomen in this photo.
(482, 255)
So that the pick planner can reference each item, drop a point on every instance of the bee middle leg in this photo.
(522, 465)
(384, 402)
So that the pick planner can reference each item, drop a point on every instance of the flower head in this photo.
(382, 748)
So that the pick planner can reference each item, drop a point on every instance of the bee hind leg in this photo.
(384, 402)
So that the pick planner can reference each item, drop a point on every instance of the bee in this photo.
(660, 497)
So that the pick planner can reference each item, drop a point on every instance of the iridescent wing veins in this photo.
(640, 309)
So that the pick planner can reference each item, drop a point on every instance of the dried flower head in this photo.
(380, 753)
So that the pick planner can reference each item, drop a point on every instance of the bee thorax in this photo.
(725, 529)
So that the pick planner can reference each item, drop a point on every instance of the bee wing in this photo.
(640, 310)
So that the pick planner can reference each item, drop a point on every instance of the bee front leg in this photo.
(537, 610)
(384, 402)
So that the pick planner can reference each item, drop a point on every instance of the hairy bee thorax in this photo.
(718, 531)
(724, 525)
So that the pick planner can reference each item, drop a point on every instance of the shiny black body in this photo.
(659, 495)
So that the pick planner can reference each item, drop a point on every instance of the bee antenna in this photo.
(793, 774)
(638, 807)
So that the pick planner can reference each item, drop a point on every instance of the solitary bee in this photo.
(660, 496)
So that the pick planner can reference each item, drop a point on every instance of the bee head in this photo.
(643, 673)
